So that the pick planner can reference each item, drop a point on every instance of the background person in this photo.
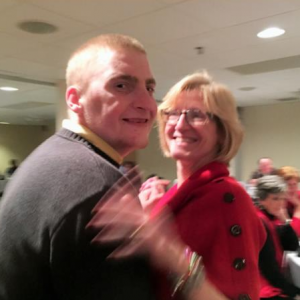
(292, 205)
(265, 167)
(45, 251)
(271, 197)
(12, 168)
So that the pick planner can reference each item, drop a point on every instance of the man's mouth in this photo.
(136, 120)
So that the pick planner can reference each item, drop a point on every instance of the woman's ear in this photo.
(73, 99)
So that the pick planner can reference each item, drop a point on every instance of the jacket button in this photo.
(244, 297)
(228, 197)
(239, 263)
(235, 230)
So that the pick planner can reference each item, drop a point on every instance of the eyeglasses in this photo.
(192, 116)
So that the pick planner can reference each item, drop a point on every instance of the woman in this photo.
(213, 215)
(291, 177)
(271, 198)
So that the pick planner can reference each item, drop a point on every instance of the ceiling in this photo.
(258, 71)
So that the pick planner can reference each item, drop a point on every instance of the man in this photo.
(45, 249)
(265, 167)
(12, 168)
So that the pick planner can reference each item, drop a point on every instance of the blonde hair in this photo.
(218, 101)
(85, 56)
(288, 172)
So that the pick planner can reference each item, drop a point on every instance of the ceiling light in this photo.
(8, 89)
(270, 32)
(37, 27)
(4, 123)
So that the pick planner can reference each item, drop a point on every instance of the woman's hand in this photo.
(151, 191)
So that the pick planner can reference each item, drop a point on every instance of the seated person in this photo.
(291, 177)
(271, 199)
(13, 167)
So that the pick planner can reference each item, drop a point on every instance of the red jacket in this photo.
(216, 218)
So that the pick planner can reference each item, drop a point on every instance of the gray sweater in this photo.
(45, 250)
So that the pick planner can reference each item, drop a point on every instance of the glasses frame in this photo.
(165, 113)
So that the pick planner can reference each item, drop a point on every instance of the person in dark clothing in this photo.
(280, 236)
(45, 249)
(13, 167)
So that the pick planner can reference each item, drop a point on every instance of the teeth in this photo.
(184, 140)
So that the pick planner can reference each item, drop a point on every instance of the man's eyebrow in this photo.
(151, 81)
(133, 79)
(126, 77)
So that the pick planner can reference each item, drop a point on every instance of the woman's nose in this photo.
(182, 122)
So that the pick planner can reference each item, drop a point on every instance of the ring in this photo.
(136, 231)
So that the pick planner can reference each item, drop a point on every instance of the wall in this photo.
(271, 130)
(18, 141)
(151, 160)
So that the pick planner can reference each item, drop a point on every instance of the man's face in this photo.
(118, 103)
(265, 166)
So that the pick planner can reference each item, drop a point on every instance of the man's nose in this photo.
(145, 100)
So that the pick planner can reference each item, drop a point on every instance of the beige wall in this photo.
(19, 141)
(271, 130)
(152, 161)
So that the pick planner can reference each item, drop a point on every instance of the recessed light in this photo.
(4, 123)
(37, 27)
(8, 89)
(271, 32)
(199, 50)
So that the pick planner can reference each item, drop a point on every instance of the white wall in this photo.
(152, 161)
(18, 141)
(271, 130)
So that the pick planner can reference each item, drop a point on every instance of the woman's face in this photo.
(274, 203)
(292, 185)
(193, 143)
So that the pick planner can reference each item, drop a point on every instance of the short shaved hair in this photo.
(87, 54)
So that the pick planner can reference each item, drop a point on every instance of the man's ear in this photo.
(73, 96)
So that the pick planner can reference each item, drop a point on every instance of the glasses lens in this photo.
(196, 116)
(171, 116)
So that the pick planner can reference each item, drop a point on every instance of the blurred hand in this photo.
(282, 215)
(151, 191)
(119, 217)
(294, 200)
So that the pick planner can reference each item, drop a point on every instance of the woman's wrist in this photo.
(193, 275)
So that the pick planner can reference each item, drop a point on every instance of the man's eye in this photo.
(150, 89)
(121, 85)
